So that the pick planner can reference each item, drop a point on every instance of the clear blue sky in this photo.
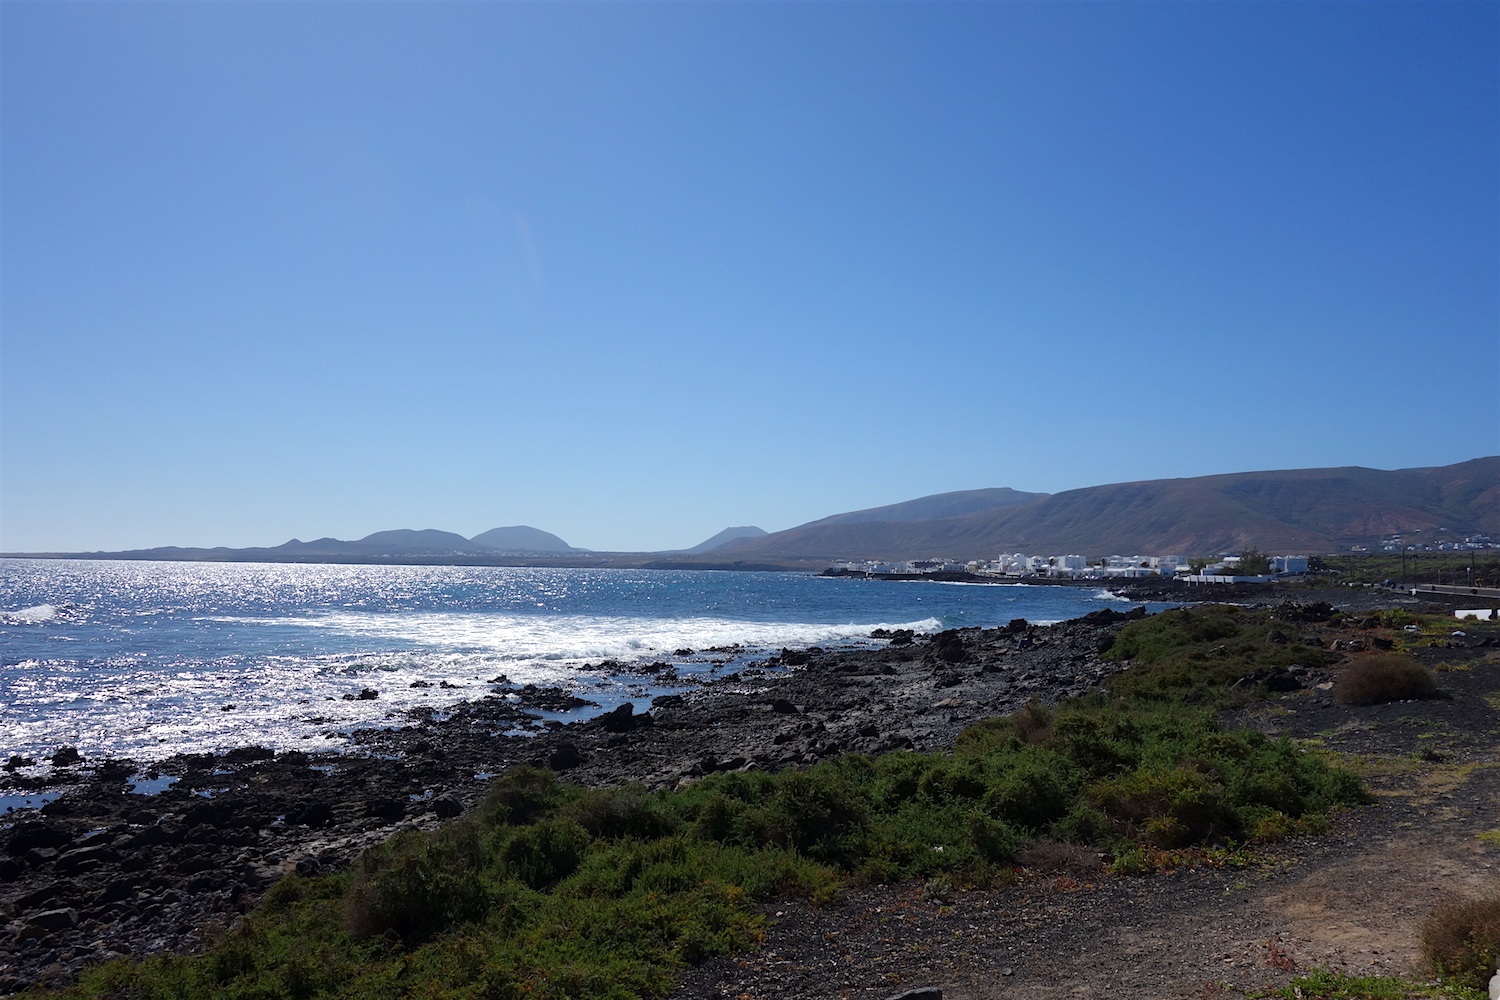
(633, 272)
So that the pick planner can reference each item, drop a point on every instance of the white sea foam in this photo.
(576, 637)
(40, 613)
(146, 659)
(299, 702)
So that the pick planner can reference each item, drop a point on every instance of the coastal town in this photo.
(1242, 567)
(1227, 569)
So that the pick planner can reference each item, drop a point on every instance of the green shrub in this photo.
(716, 817)
(992, 840)
(1167, 808)
(521, 795)
(415, 885)
(545, 853)
(818, 812)
(985, 736)
(1037, 788)
(613, 813)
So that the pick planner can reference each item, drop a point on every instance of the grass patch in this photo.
(549, 890)
(1322, 984)
(1197, 653)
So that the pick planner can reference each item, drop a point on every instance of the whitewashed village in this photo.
(1227, 569)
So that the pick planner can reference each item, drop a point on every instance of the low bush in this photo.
(1461, 940)
(415, 885)
(1376, 678)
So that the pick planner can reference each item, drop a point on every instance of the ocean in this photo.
(149, 659)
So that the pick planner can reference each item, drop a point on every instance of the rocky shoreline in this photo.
(103, 871)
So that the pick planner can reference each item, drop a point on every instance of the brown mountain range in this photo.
(1299, 510)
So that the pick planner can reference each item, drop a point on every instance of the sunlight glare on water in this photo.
(143, 658)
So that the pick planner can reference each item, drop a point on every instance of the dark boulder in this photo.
(85, 858)
(387, 810)
(950, 646)
(26, 836)
(565, 757)
(1291, 611)
(1273, 679)
(62, 919)
(247, 755)
(51, 891)
(213, 812)
(553, 699)
(623, 719)
(314, 814)
(114, 771)
(66, 757)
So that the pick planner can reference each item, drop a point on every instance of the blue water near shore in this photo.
(141, 659)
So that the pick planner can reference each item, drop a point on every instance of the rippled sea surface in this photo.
(141, 658)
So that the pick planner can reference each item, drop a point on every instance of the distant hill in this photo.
(1301, 510)
(522, 538)
(935, 507)
(402, 541)
(722, 538)
(1291, 511)
(428, 544)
